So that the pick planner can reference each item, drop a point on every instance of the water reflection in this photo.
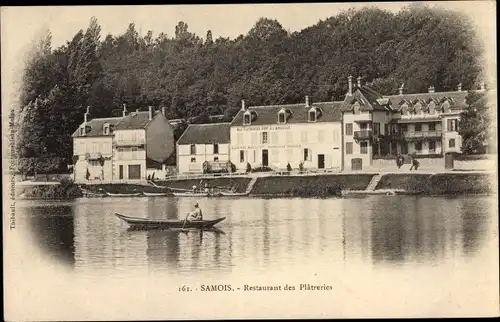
(263, 234)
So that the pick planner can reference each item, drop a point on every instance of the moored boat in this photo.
(190, 194)
(233, 194)
(144, 223)
(155, 194)
(123, 194)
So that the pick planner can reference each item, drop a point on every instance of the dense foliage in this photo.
(474, 124)
(194, 77)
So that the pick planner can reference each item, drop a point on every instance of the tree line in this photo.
(196, 77)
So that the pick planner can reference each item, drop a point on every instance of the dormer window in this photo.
(405, 109)
(106, 129)
(247, 118)
(282, 116)
(431, 107)
(446, 106)
(312, 115)
(356, 108)
(418, 108)
(82, 131)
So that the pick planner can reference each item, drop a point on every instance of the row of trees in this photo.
(196, 77)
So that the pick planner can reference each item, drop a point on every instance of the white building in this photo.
(277, 135)
(93, 149)
(203, 145)
(141, 140)
(422, 124)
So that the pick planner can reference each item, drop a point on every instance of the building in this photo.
(202, 147)
(423, 124)
(142, 139)
(93, 148)
(277, 135)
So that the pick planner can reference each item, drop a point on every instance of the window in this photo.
(281, 117)
(216, 159)
(364, 147)
(418, 127)
(264, 137)
(82, 131)
(418, 147)
(106, 129)
(386, 129)
(247, 118)
(404, 148)
(193, 149)
(432, 127)
(193, 160)
(432, 107)
(320, 136)
(432, 146)
(304, 136)
(451, 143)
(348, 148)
(242, 156)
(376, 128)
(307, 155)
(452, 125)
(348, 129)
(216, 148)
(312, 116)
(363, 126)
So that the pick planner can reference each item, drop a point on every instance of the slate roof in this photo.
(206, 134)
(369, 100)
(298, 113)
(134, 121)
(97, 126)
(457, 99)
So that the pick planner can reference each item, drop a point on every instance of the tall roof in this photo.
(134, 121)
(206, 134)
(368, 99)
(456, 98)
(297, 113)
(97, 127)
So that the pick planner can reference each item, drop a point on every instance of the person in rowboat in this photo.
(196, 214)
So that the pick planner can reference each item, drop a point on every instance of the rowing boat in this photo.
(123, 194)
(144, 223)
(155, 194)
(233, 194)
(190, 194)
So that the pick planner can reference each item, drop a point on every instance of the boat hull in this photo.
(187, 194)
(123, 194)
(233, 194)
(155, 194)
(143, 223)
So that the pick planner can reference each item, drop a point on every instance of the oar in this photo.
(185, 220)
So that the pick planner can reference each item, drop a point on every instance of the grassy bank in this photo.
(438, 184)
(66, 190)
(326, 185)
(120, 188)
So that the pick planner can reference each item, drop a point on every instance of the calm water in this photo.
(263, 235)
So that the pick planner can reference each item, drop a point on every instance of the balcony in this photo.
(136, 142)
(415, 135)
(363, 135)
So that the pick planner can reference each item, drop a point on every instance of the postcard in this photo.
(319, 160)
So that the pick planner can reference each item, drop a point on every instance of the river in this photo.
(377, 238)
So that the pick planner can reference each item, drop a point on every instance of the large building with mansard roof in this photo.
(277, 135)
(422, 124)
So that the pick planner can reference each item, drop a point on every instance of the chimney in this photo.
(307, 101)
(88, 109)
(243, 108)
(164, 111)
(401, 89)
(350, 85)
(359, 81)
(85, 118)
(150, 113)
(124, 109)
(483, 86)
(431, 89)
(459, 87)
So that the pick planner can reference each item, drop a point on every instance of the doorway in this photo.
(265, 158)
(321, 161)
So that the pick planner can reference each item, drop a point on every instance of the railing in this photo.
(418, 134)
(364, 134)
(130, 142)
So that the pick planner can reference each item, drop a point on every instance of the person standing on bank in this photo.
(414, 163)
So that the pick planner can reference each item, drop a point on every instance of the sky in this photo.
(21, 25)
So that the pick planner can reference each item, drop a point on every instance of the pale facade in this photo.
(203, 148)
(376, 126)
(130, 156)
(278, 135)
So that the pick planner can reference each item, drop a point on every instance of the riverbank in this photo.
(63, 190)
